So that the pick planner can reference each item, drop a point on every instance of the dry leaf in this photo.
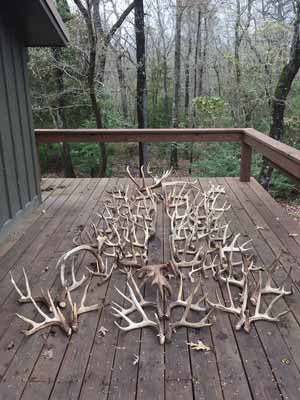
(10, 346)
(199, 346)
(48, 354)
(136, 359)
(293, 234)
(156, 274)
(102, 331)
(260, 228)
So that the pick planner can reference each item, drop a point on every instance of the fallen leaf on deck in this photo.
(260, 228)
(48, 354)
(10, 346)
(136, 359)
(102, 331)
(199, 346)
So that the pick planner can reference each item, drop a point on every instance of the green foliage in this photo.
(217, 159)
(223, 159)
(210, 111)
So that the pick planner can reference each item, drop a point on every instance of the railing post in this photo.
(245, 166)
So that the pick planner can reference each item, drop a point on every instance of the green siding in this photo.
(19, 186)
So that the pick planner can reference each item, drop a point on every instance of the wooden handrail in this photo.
(282, 156)
(137, 135)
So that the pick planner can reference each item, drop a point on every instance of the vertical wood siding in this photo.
(19, 185)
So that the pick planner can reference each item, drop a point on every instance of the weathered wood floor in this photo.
(262, 365)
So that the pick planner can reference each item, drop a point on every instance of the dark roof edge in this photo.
(56, 20)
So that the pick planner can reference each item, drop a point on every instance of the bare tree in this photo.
(141, 89)
(177, 70)
(99, 41)
(57, 53)
(282, 90)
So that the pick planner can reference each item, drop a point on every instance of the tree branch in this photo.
(119, 22)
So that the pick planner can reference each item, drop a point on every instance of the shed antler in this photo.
(43, 299)
(146, 321)
(183, 322)
(157, 181)
(263, 315)
(82, 309)
(57, 319)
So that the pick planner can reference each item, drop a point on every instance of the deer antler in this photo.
(157, 181)
(57, 319)
(82, 309)
(232, 308)
(183, 322)
(180, 302)
(43, 299)
(145, 320)
(139, 297)
(263, 316)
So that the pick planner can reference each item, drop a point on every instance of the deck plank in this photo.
(256, 362)
(178, 372)
(270, 335)
(232, 372)
(150, 384)
(37, 231)
(34, 389)
(36, 278)
(206, 381)
(14, 236)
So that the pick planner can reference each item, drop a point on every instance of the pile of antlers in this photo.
(118, 238)
(201, 243)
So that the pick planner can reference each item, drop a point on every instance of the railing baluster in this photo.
(245, 166)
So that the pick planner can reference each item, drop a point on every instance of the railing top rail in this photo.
(138, 135)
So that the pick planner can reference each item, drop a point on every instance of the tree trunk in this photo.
(165, 68)
(282, 90)
(187, 74)
(123, 91)
(198, 50)
(203, 59)
(177, 68)
(141, 89)
(59, 82)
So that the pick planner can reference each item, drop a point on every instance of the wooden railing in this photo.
(281, 156)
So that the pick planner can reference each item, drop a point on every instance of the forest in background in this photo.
(170, 63)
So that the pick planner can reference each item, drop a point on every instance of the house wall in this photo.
(19, 174)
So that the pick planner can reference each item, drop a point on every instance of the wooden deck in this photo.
(262, 365)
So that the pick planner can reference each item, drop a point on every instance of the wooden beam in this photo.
(245, 166)
(138, 135)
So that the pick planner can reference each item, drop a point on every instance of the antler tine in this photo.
(75, 284)
(244, 314)
(57, 319)
(82, 309)
(131, 177)
(268, 288)
(23, 297)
